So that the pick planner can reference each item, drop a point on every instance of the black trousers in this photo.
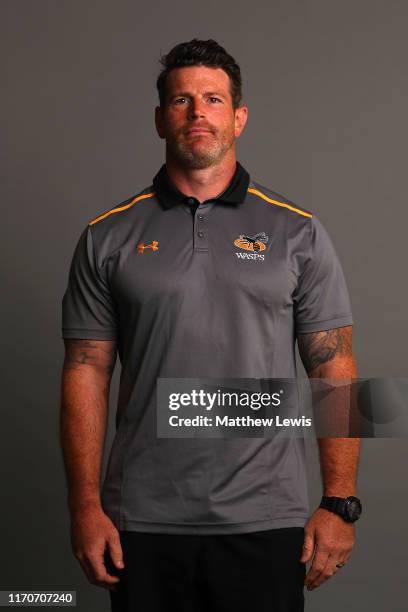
(210, 573)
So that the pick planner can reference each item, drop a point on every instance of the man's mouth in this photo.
(196, 131)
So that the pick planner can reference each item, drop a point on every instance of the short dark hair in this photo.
(200, 53)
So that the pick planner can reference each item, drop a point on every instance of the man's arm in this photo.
(328, 354)
(85, 383)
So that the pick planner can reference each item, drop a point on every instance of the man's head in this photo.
(199, 87)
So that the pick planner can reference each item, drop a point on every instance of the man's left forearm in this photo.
(328, 354)
(339, 456)
(339, 463)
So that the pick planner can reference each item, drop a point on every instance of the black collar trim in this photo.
(169, 195)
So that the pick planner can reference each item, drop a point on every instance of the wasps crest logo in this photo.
(255, 243)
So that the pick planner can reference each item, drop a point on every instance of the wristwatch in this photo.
(349, 508)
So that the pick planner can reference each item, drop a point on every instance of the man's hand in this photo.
(92, 532)
(329, 540)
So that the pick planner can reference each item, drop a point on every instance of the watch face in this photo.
(353, 508)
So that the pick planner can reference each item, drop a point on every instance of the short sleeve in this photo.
(88, 309)
(321, 299)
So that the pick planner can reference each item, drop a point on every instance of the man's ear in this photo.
(158, 117)
(241, 116)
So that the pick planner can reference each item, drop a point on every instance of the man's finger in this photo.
(308, 547)
(115, 550)
(317, 567)
(328, 571)
(99, 574)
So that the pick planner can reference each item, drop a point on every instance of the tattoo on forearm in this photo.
(320, 347)
(100, 354)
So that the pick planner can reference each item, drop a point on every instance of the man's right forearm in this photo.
(85, 383)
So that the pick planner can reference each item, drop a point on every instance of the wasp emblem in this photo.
(252, 243)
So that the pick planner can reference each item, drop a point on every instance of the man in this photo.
(205, 273)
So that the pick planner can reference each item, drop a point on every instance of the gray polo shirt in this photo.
(212, 290)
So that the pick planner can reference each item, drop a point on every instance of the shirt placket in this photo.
(200, 224)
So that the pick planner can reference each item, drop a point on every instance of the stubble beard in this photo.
(189, 156)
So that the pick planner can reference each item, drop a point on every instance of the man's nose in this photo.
(196, 108)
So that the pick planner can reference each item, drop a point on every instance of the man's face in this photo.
(198, 121)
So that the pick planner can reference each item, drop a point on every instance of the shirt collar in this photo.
(169, 195)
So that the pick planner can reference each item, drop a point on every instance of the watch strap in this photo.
(334, 504)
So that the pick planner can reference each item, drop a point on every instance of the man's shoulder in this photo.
(277, 201)
(121, 210)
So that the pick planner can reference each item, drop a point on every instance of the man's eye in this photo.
(178, 100)
(212, 98)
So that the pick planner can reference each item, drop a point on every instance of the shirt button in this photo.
(200, 234)
(201, 217)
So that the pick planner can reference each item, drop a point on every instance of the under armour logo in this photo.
(154, 246)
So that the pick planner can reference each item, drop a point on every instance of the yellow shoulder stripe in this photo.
(120, 208)
(264, 197)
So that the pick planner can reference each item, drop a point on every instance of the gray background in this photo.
(325, 82)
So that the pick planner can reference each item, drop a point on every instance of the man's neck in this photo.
(202, 183)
